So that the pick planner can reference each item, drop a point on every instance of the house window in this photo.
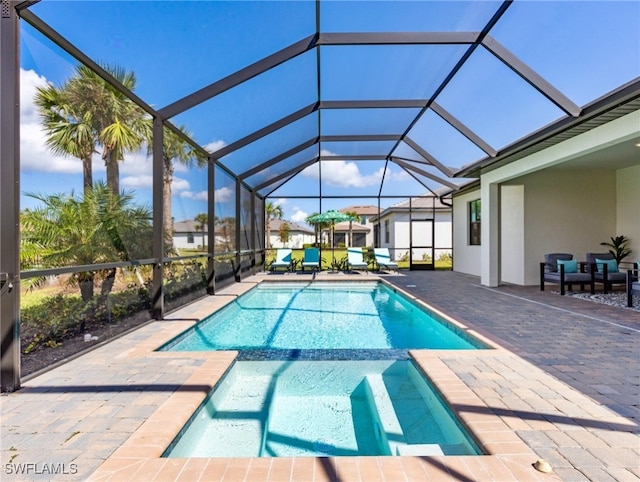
(190, 238)
(386, 231)
(363, 219)
(474, 222)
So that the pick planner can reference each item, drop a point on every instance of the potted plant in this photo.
(618, 247)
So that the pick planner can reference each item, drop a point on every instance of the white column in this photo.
(490, 241)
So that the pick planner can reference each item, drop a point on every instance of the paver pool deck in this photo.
(563, 384)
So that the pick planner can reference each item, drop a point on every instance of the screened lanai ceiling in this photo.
(274, 90)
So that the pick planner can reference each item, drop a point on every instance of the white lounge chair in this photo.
(383, 259)
(356, 260)
(283, 259)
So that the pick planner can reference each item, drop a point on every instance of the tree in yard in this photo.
(271, 211)
(318, 226)
(97, 227)
(120, 124)
(228, 226)
(284, 233)
(175, 150)
(86, 112)
(201, 224)
(354, 217)
(69, 130)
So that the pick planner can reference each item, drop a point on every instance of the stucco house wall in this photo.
(555, 205)
(466, 257)
(400, 234)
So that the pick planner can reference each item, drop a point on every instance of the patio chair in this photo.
(311, 259)
(562, 269)
(383, 259)
(355, 260)
(633, 284)
(606, 270)
(283, 259)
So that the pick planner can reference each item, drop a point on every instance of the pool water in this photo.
(322, 316)
(322, 408)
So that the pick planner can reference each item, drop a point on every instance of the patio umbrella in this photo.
(332, 216)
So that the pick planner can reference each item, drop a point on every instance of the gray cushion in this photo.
(635, 287)
(551, 260)
(591, 257)
(569, 277)
(615, 277)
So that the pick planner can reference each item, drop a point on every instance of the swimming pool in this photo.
(316, 316)
(322, 408)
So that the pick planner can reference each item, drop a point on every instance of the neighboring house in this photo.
(365, 213)
(360, 232)
(298, 235)
(186, 236)
(565, 192)
(420, 227)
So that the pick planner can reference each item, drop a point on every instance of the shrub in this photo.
(445, 256)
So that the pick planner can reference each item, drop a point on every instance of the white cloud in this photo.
(400, 175)
(223, 194)
(299, 215)
(214, 145)
(179, 184)
(34, 153)
(280, 202)
(135, 182)
(344, 174)
(197, 196)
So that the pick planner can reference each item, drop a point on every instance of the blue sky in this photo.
(584, 48)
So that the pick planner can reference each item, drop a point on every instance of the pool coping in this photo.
(508, 457)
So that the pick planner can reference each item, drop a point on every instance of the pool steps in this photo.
(389, 427)
(264, 410)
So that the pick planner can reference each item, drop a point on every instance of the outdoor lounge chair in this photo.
(311, 258)
(633, 284)
(606, 270)
(283, 259)
(383, 259)
(560, 268)
(355, 260)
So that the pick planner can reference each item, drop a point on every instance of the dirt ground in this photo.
(44, 356)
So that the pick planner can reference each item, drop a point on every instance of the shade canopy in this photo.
(419, 89)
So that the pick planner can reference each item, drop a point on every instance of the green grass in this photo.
(340, 253)
(30, 298)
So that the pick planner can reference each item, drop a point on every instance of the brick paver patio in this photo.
(565, 389)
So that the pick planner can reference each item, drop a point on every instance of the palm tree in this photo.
(271, 211)
(97, 227)
(318, 226)
(354, 217)
(120, 125)
(201, 223)
(69, 130)
(85, 112)
(175, 149)
(228, 226)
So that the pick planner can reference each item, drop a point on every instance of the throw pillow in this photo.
(570, 265)
(612, 265)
